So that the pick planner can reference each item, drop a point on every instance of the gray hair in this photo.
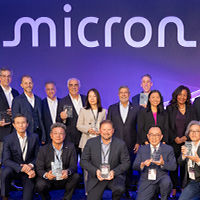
(123, 86)
(193, 122)
(3, 69)
(58, 125)
(70, 79)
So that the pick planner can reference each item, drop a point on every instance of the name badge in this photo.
(152, 174)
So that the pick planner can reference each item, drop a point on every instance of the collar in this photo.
(52, 101)
(6, 91)
(32, 98)
(57, 149)
(157, 147)
(79, 97)
(108, 143)
(123, 106)
(19, 137)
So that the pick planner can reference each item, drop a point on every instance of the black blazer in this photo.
(196, 105)
(72, 131)
(12, 153)
(136, 100)
(21, 105)
(125, 131)
(146, 121)
(196, 169)
(46, 117)
(46, 156)
(3, 107)
(171, 113)
(91, 159)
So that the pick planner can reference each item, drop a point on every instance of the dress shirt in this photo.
(154, 148)
(8, 94)
(31, 100)
(57, 154)
(105, 151)
(77, 103)
(124, 111)
(23, 144)
(53, 104)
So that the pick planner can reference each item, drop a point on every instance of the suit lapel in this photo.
(119, 114)
(18, 144)
(4, 97)
(47, 110)
(74, 110)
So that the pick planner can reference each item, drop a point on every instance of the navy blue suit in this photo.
(3, 107)
(147, 187)
(46, 117)
(22, 105)
(136, 100)
(12, 159)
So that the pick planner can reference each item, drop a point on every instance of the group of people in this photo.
(40, 141)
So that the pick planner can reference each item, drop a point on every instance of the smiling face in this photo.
(57, 135)
(154, 136)
(27, 84)
(154, 99)
(124, 95)
(5, 78)
(50, 90)
(73, 87)
(106, 131)
(146, 84)
(194, 133)
(182, 97)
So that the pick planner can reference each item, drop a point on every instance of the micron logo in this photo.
(87, 21)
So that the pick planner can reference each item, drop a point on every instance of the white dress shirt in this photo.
(77, 103)
(123, 111)
(53, 104)
(31, 100)
(8, 94)
(23, 144)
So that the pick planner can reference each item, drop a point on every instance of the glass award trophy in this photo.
(105, 170)
(155, 156)
(5, 117)
(143, 99)
(188, 145)
(69, 111)
(56, 168)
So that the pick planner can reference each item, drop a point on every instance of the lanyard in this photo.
(95, 118)
(23, 149)
(105, 153)
(58, 158)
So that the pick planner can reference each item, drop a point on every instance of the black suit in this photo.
(119, 162)
(146, 121)
(22, 105)
(136, 100)
(46, 117)
(3, 107)
(72, 132)
(43, 165)
(12, 160)
(197, 107)
(172, 113)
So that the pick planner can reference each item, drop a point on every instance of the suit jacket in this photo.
(171, 113)
(125, 131)
(86, 121)
(196, 169)
(136, 100)
(12, 153)
(146, 121)
(72, 131)
(3, 107)
(46, 156)
(22, 105)
(91, 159)
(46, 117)
(197, 107)
(144, 153)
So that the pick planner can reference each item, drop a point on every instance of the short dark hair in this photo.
(87, 104)
(26, 76)
(3, 69)
(107, 121)
(155, 126)
(58, 125)
(124, 86)
(50, 82)
(19, 115)
(147, 75)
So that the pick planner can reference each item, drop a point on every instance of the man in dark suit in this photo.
(191, 162)
(196, 105)
(109, 155)
(124, 118)
(49, 108)
(31, 106)
(146, 84)
(19, 153)
(74, 101)
(7, 94)
(64, 156)
(154, 160)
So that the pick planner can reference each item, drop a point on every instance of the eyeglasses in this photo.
(73, 85)
(154, 135)
(194, 132)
